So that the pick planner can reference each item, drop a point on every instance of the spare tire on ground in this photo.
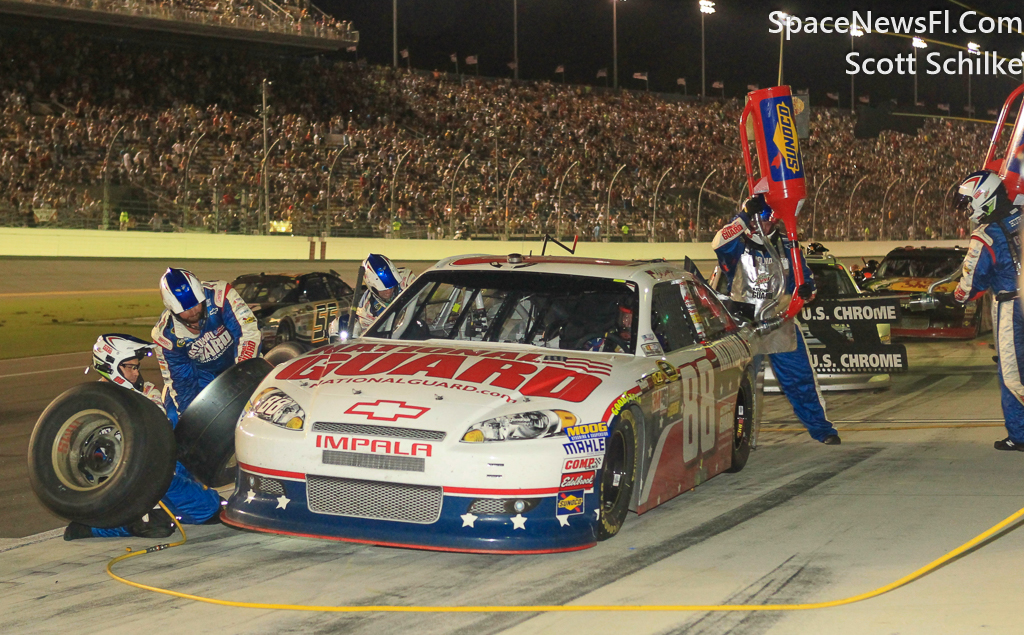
(286, 352)
(101, 455)
(206, 430)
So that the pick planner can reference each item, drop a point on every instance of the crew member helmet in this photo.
(112, 350)
(756, 208)
(982, 196)
(381, 277)
(181, 290)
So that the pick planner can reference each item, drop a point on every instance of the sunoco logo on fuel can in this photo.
(784, 147)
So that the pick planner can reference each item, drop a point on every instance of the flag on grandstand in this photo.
(752, 86)
(833, 96)
(602, 73)
(718, 85)
(512, 65)
(944, 107)
(351, 49)
(471, 60)
(969, 109)
(560, 69)
(864, 99)
(920, 104)
(404, 53)
(454, 58)
(641, 76)
(993, 112)
(681, 81)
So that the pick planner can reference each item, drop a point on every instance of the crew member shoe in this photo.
(155, 524)
(832, 439)
(75, 531)
(1005, 444)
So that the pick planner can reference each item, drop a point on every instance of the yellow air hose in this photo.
(907, 579)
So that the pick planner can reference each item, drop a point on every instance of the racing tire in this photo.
(101, 455)
(285, 352)
(618, 474)
(743, 427)
(285, 333)
(206, 430)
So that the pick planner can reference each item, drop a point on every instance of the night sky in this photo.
(662, 37)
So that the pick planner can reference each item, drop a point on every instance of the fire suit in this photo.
(187, 499)
(189, 361)
(991, 263)
(739, 254)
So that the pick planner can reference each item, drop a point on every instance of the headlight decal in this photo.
(524, 425)
(274, 406)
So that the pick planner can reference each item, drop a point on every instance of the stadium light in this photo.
(855, 31)
(782, 38)
(918, 44)
(973, 48)
(706, 8)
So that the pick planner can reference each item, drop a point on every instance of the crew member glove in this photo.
(806, 292)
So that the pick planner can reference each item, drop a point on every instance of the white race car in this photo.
(503, 404)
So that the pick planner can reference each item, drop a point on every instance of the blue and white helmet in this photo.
(181, 290)
(982, 195)
(380, 275)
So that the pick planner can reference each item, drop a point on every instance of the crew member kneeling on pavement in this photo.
(116, 358)
(741, 250)
(384, 281)
(993, 262)
(206, 329)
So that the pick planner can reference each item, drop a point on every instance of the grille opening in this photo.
(375, 461)
(264, 485)
(502, 506)
(373, 499)
(378, 431)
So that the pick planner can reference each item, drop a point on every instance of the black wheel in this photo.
(285, 352)
(285, 333)
(101, 455)
(206, 430)
(743, 427)
(615, 489)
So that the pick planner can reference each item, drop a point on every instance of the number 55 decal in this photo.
(323, 315)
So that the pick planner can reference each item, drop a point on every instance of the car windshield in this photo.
(268, 290)
(831, 281)
(515, 307)
(920, 264)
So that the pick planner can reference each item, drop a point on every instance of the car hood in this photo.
(447, 386)
(910, 285)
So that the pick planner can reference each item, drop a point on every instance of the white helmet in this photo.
(112, 350)
(381, 276)
(982, 196)
(181, 290)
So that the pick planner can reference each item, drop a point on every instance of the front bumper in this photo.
(257, 504)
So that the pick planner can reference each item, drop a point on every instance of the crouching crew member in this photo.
(993, 262)
(116, 358)
(741, 251)
(384, 282)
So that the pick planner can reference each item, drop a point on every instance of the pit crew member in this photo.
(384, 281)
(206, 329)
(741, 249)
(993, 262)
(116, 358)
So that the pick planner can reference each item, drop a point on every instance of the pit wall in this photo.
(84, 243)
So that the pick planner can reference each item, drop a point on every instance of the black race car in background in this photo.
(294, 306)
(910, 272)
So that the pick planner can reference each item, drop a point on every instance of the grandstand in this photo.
(169, 131)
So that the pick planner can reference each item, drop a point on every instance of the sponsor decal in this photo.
(875, 310)
(649, 337)
(658, 400)
(784, 151)
(108, 349)
(384, 410)
(731, 230)
(653, 350)
(64, 445)
(577, 480)
(569, 503)
(587, 446)
(893, 360)
(673, 409)
(210, 346)
(623, 401)
(571, 380)
(248, 350)
(372, 446)
(587, 431)
(249, 320)
(585, 463)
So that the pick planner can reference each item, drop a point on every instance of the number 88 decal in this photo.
(698, 410)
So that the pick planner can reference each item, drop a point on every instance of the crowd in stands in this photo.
(176, 139)
(296, 17)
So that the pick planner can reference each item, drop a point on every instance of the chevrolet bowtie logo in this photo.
(384, 410)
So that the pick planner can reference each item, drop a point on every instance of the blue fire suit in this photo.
(991, 263)
(189, 361)
(793, 370)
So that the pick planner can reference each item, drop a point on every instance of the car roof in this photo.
(956, 250)
(637, 270)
